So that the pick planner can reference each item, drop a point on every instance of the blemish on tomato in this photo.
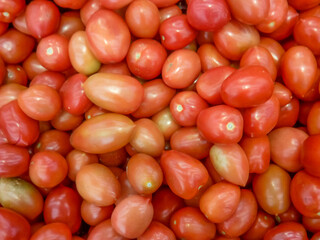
(179, 108)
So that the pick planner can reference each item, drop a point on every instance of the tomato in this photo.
(52, 52)
(93, 215)
(11, 9)
(104, 230)
(299, 69)
(53, 231)
(185, 107)
(88, 9)
(177, 167)
(243, 218)
(105, 133)
(271, 189)
(208, 15)
(146, 57)
(210, 57)
(190, 141)
(15, 46)
(303, 5)
(157, 95)
(286, 146)
(165, 203)
(16, 126)
(70, 23)
(65, 121)
(70, 4)
(291, 215)
(144, 173)
(286, 231)
(32, 66)
(274, 47)
(220, 124)
(111, 4)
(81, 57)
(257, 150)
(10, 92)
(42, 18)
(230, 162)
(126, 187)
(249, 12)
(147, 138)
(168, 12)
(18, 225)
(157, 230)
(289, 114)
(190, 223)
(52, 79)
(283, 94)
(234, 38)
(97, 184)
(15, 74)
(310, 155)
(311, 224)
(114, 92)
(132, 216)
(108, 36)
(309, 191)
(63, 205)
(181, 68)
(29, 206)
(14, 160)
(315, 236)
(261, 225)
(312, 119)
(176, 32)
(234, 94)
(143, 18)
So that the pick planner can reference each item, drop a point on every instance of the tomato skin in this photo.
(168, 12)
(104, 230)
(261, 225)
(111, 4)
(271, 189)
(283, 94)
(274, 47)
(70, 4)
(181, 68)
(210, 57)
(30, 206)
(108, 36)
(18, 225)
(157, 230)
(65, 121)
(231, 162)
(220, 124)
(299, 70)
(132, 216)
(257, 150)
(190, 223)
(15, 74)
(14, 160)
(25, 132)
(63, 205)
(70, 23)
(289, 114)
(12, 10)
(53, 231)
(310, 155)
(286, 146)
(247, 209)
(176, 32)
(286, 231)
(157, 96)
(310, 189)
(233, 93)
(303, 5)
(49, 78)
(220, 201)
(15, 46)
(100, 89)
(311, 224)
(94, 215)
(176, 167)
(208, 15)
(10, 92)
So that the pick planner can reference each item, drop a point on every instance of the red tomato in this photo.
(177, 168)
(181, 68)
(243, 218)
(142, 18)
(70, 23)
(208, 15)
(258, 87)
(257, 150)
(157, 230)
(190, 223)
(93, 215)
(287, 231)
(220, 201)
(10, 92)
(231, 162)
(291, 215)
(104, 230)
(111, 4)
(271, 189)
(274, 47)
(11, 9)
(249, 12)
(303, 5)
(32, 66)
(304, 186)
(311, 224)
(310, 155)
(108, 36)
(70, 4)
(286, 146)
(312, 119)
(210, 57)
(65, 121)
(42, 18)
(220, 124)
(132, 216)
(168, 12)
(88, 9)
(63, 205)
(283, 94)
(15, 74)
(13, 225)
(289, 114)
(14, 160)
(49, 78)
(97, 184)
(176, 32)
(53, 231)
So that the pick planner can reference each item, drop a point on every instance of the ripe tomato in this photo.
(93, 214)
(157, 230)
(210, 57)
(286, 231)
(104, 230)
(53, 231)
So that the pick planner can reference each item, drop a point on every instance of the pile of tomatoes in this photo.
(159, 119)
